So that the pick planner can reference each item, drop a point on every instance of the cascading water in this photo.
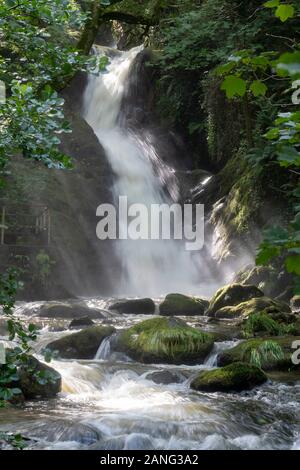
(150, 267)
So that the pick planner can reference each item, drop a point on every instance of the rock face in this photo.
(179, 304)
(232, 378)
(295, 304)
(255, 305)
(83, 344)
(82, 322)
(37, 380)
(165, 340)
(230, 295)
(257, 347)
(134, 306)
(68, 311)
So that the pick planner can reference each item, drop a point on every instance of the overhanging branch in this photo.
(128, 18)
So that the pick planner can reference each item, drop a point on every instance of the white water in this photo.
(150, 267)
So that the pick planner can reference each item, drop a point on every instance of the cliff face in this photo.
(75, 262)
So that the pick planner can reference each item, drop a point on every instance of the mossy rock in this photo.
(68, 311)
(232, 378)
(134, 306)
(243, 352)
(179, 304)
(83, 322)
(231, 295)
(37, 380)
(83, 344)
(165, 340)
(270, 322)
(254, 305)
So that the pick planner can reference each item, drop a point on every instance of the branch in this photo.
(128, 18)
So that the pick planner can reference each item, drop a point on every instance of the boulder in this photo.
(251, 349)
(230, 295)
(165, 340)
(68, 311)
(82, 322)
(134, 306)
(255, 305)
(38, 380)
(179, 304)
(232, 378)
(165, 377)
(81, 345)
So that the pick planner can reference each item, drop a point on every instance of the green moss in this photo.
(165, 340)
(232, 294)
(255, 305)
(245, 352)
(263, 322)
(178, 304)
(234, 377)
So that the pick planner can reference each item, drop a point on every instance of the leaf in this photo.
(266, 253)
(234, 86)
(288, 156)
(292, 264)
(258, 88)
(284, 12)
(272, 134)
(271, 4)
(289, 63)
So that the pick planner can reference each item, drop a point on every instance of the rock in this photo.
(230, 295)
(68, 311)
(165, 340)
(38, 380)
(134, 306)
(82, 322)
(3, 327)
(255, 305)
(269, 322)
(179, 304)
(295, 304)
(83, 344)
(164, 377)
(243, 352)
(232, 378)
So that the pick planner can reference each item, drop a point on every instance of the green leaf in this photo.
(271, 4)
(266, 253)
(258, 88)
(234, 86)
(288, 156)
(272, 134)
(289, 63)
(284, 12)
(292, 264)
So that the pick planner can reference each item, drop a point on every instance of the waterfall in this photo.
(149, 267)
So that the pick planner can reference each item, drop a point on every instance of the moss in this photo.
(234, 377)
(255, 305)
(178, 304)
(83, 344)
(273, 324)
(243, 351)
(165, 340)
(232, 294)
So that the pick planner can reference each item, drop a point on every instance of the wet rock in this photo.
(232, 378)
(83, 344)
(37, 380)
(269, 357)
(255, 305)
(165, 340)
(230, 295)
(179, 304)
(63, 430)
(3, 327)
(134, 306)
(82, 322)
(165, 377)
(68, 311)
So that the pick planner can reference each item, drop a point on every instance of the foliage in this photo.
(266, 351)
(261, 322)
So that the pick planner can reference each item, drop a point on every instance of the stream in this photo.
(111, 402)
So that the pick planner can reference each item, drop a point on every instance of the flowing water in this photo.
(111, 402)
(149, 267)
